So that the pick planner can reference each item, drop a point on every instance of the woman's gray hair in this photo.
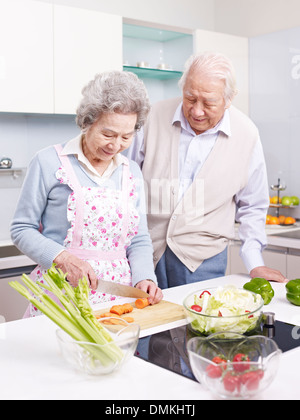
(115, 91)
(214, 65)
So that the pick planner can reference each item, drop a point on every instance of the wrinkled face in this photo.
(110, 134)
(203, 101)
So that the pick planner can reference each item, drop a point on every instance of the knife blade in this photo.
(120, 290)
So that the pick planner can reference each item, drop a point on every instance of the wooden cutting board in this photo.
(153, 315)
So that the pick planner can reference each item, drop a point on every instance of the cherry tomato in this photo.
(251, 379)
(214, 371)
(242, 362)
(196, 308)
(232, 382)
(220, 361)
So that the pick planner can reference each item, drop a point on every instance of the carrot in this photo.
(106, 315)
(121, 309)
(128, 319)
(141, 303)
(117, 309)
(127, 308)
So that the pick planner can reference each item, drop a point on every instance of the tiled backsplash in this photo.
(21, 136)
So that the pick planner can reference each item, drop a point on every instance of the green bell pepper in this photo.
(293, 291)
(262, 287)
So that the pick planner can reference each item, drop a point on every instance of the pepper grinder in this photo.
(268, 321)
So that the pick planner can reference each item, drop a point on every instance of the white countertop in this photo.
(32, 368)
(274, 240)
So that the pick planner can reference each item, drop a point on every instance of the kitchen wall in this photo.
(21, 136)
(275, 104)
(255, 17)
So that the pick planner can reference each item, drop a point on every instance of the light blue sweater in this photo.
(44, 199)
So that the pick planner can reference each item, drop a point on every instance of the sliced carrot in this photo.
(129, 319)
(117, 309)
(121, 309)
(106, 315)
(127, 308)
(141, 303)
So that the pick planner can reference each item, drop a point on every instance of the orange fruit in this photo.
(281, 219)
(274, 200)
(289, 221)
(268, 219)
(274, 220)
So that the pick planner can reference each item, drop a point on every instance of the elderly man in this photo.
(204, 168)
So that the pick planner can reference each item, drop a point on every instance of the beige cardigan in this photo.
(202, 223)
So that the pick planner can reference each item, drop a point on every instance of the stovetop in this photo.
(167, 349)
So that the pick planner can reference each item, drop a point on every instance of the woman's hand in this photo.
(155, 293)
(76, 269)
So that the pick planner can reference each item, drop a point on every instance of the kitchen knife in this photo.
(120, 290)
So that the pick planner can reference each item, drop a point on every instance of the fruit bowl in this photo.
(240, 312)
(96, 359)
(233, 366)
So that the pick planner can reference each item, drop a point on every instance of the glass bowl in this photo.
(96, 359)
(204, 325)
(233, 366)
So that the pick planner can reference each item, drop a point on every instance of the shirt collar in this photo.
(223, 125)
(74, 147)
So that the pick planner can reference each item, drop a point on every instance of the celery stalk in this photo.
(76, 317)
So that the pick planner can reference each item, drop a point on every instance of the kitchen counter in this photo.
(279, 235)
(32, 368)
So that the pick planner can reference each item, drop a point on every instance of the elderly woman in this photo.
(82, 203)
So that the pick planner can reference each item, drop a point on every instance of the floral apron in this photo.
(103, 221)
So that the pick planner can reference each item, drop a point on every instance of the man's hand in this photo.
(268, 274)
(155, 293)
(76, 269)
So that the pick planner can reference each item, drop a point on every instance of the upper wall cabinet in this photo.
(26, 56)
(157, 55)
(86, 42)
(236, 48)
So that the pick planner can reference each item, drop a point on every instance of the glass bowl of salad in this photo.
(228, 308)
(233, 366)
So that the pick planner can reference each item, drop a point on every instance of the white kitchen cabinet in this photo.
(293, 265)
(86, 42)
(274, 257)
(26, 56)
(237, 49)
(12, 304)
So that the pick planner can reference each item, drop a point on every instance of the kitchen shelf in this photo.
(283, 206)
(15, 172)
(150, 73)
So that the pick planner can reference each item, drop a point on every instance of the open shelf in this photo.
(147, 72)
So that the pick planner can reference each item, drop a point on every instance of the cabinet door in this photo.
(12, 304)
(293, 267)
(26, 56)
(85, 43)
(234, 47)
(276, 259)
